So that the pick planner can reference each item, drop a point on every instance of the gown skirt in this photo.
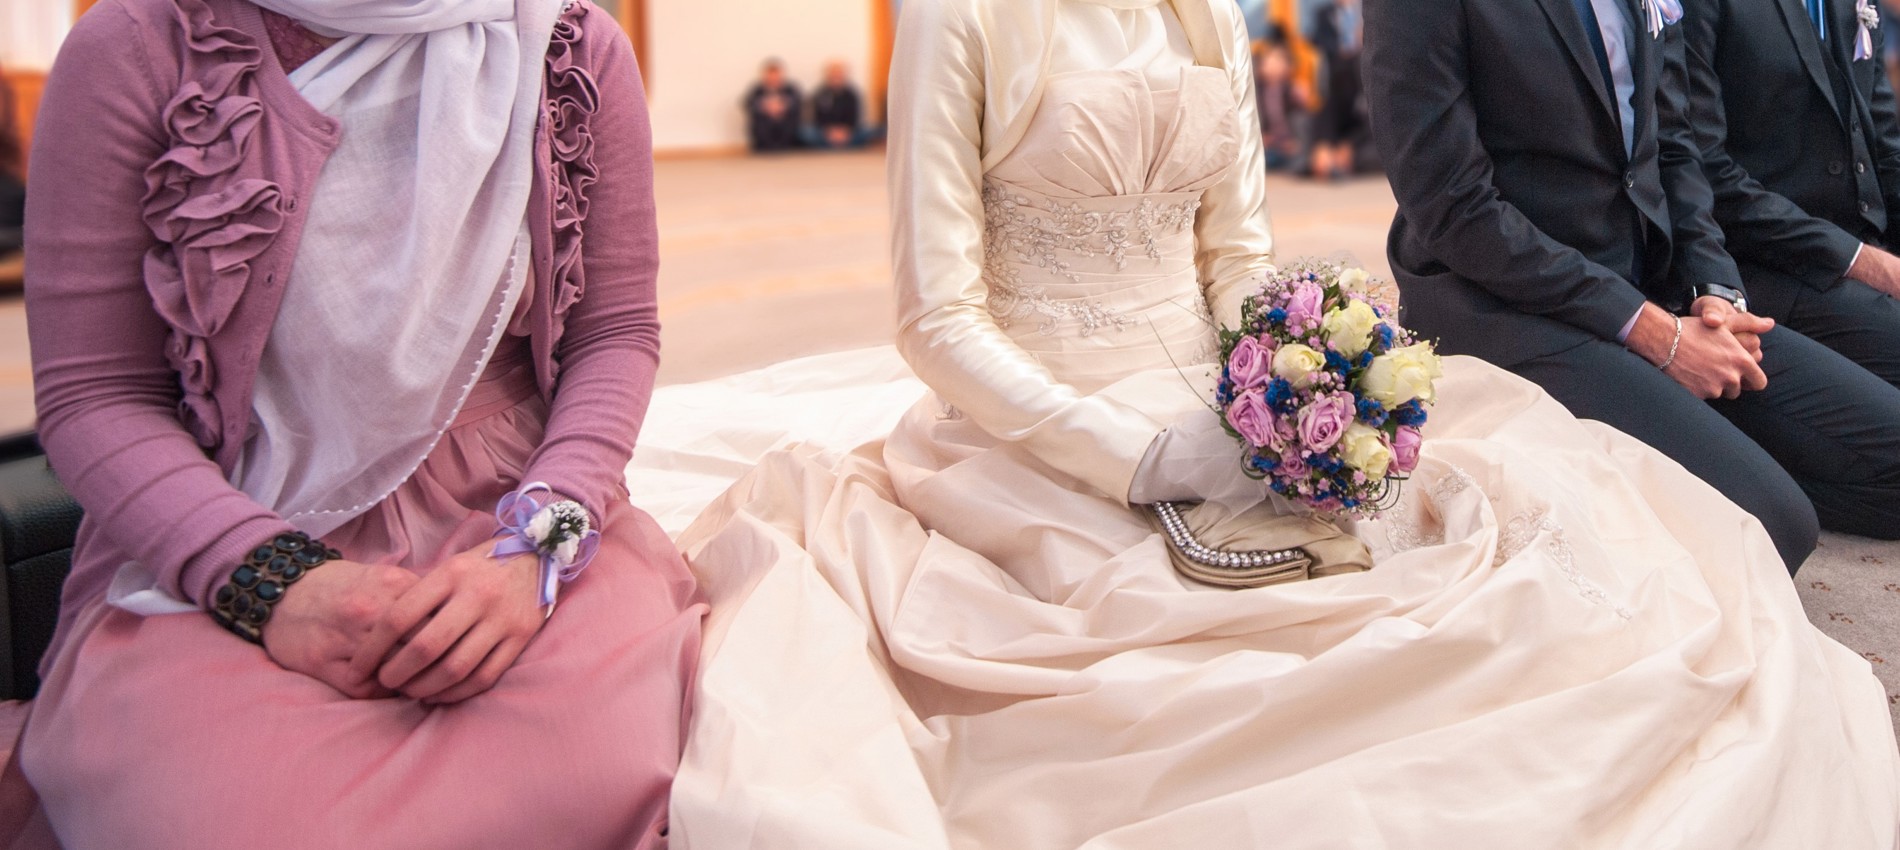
(936, 641)
(168, 732)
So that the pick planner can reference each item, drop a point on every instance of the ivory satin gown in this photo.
(944, 640)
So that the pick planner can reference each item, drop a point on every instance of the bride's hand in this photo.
(323, 619)
(456, 632)
(1195, 460)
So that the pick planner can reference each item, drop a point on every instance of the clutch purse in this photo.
(1256, 547)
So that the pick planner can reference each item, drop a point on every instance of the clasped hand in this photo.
(373, 632)
(1719, 355)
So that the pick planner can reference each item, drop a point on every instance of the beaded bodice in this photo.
(1089, 223)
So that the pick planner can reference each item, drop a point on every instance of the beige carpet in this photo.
(1851, 589)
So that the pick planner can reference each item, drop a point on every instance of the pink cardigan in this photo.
(168, 167)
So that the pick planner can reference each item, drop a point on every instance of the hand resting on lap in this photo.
(454, 633)
(325, 619)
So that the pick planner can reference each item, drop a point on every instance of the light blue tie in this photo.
(1818, 13)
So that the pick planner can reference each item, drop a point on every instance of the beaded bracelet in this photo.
(244, 605)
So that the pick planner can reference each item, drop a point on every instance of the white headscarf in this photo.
(413, 258)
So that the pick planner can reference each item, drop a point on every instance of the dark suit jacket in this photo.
(1521, 219)
(1803, 171)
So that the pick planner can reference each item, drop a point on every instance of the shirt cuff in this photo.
(1623, 336)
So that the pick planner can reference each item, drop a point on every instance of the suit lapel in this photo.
(1563, 16)
(1795, 14)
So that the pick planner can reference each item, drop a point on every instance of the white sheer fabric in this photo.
(415, 251)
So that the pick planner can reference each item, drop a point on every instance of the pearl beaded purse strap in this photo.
(1221, 568)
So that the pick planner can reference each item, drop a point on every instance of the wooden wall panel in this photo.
(26, 87)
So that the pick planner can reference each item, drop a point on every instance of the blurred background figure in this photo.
(1336, 33)
(12, 191)
(1285, 108)
(837, 112)
(773, 110)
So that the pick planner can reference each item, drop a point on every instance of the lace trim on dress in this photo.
(1015, 232)
(1407, 532)
(210, 223)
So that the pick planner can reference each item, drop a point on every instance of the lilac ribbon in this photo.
(515, 511)
(1869, 16)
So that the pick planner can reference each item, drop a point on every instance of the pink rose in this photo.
(1405, 446)
(1251, 418)
(1285, 435)
(1251, 365)
(1324, 420)
(1306, 306)
(1293, 467)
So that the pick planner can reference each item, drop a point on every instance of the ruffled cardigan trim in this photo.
(212, 223)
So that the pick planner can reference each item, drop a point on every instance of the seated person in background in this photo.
(1806, 175)
(837, 112)
(1797, 134)
(1285, 119)
(12, 191)
(772, 110)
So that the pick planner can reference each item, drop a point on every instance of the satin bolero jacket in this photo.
(966, 78)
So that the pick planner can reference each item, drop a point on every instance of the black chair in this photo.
(38, 521)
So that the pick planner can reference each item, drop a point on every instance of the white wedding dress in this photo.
(945, 640)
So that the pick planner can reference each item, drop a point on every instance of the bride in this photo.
(965, 636)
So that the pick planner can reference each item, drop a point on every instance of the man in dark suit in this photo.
(1800, 142)
(1553, 220)
(774, 111)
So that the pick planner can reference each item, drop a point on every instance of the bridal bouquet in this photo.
(1325, 391)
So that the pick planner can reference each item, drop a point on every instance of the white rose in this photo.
(1366, 450)
(1297, 364)
(1354, 280)
(541, 525)
(1401, 375)
(1349, 331)
(565, 553)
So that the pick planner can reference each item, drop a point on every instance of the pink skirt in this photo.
(162, 732)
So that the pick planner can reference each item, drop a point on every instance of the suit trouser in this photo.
(1860, 322)
(1823, 441)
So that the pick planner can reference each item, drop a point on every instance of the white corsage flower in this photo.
(540, 526)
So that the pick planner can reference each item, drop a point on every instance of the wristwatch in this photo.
(1726, 293)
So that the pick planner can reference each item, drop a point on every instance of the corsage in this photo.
(559, 533)
(1658, 14)
(1869, 17)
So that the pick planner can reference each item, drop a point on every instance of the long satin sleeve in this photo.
(945, 329)
(1234, 235)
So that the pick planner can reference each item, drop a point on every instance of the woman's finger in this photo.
(456, 665)
(410, 611)
(498, 663)
(444, 630)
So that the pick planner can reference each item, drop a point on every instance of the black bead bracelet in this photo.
(244, 604)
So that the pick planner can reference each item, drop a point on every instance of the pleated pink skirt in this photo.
(168, 732)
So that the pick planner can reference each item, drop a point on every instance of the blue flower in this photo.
(1372, 413)
(1337, 363)
(1411, 414)
(1280, 395)
(1384, 336)
(1276, 316)
(1365, 360)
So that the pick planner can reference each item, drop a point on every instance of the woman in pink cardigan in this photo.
(343, 324)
